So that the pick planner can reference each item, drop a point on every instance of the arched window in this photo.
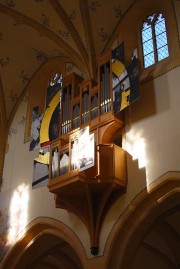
(154, 40)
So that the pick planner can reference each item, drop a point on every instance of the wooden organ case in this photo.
(87, 163)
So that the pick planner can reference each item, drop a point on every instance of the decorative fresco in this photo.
(35, 129)
(10, 3)
(4, 61)
(22, 121)
(72, 68)
(24, 77)
(40, 55)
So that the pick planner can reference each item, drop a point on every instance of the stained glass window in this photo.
(154, 39)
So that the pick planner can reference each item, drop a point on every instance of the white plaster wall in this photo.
(160, 131)
(151, 140)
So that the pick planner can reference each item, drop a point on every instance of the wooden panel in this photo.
(119, 163)
(106, 161)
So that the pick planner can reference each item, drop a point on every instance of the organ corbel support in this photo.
(89, 194)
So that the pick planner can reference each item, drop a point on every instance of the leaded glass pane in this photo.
(161, 40)
(148, 47)
(151, 18)
(160, 27)
(159, 18)
(145, 25)
(146, 34)
(162, 53)
(149, 60)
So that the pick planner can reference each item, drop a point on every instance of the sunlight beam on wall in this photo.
(136, 147)
(18, 212)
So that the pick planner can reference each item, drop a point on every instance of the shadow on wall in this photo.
(154, 98)
(136, 182)
(136, 176)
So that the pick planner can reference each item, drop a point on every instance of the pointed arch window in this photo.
(154, 40)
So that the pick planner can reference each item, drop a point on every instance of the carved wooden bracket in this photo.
(89, 194)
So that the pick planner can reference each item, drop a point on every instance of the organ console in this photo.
(87, 166)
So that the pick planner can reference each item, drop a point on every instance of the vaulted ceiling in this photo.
(35, 31)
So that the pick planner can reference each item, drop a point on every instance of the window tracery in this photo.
(154, 40)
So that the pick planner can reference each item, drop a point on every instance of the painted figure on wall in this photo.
(35, 129)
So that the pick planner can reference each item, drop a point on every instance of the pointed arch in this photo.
(133, 225)
(45, 237)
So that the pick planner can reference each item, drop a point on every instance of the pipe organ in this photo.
(94, 106)
(70, 106)
(86, 165)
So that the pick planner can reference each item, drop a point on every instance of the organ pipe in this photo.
(66, 113)
(85, 106)
(105, 88)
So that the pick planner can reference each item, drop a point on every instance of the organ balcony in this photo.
(89, 185)
(87, 163)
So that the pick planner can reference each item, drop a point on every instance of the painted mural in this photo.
(125, 79)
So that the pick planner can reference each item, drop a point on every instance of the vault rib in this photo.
(89, 36)
(48, 33)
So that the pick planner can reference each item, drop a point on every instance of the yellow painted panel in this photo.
(118, 68)
(44, 130)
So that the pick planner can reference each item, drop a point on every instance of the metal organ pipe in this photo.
(102, 88)
(66, 109)
(66, 113)
(63, 112)
(85, 108)
(76, 116)
(69, 110)
(94, 106)
(105, 101)
(108, 100)
(105, 88)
